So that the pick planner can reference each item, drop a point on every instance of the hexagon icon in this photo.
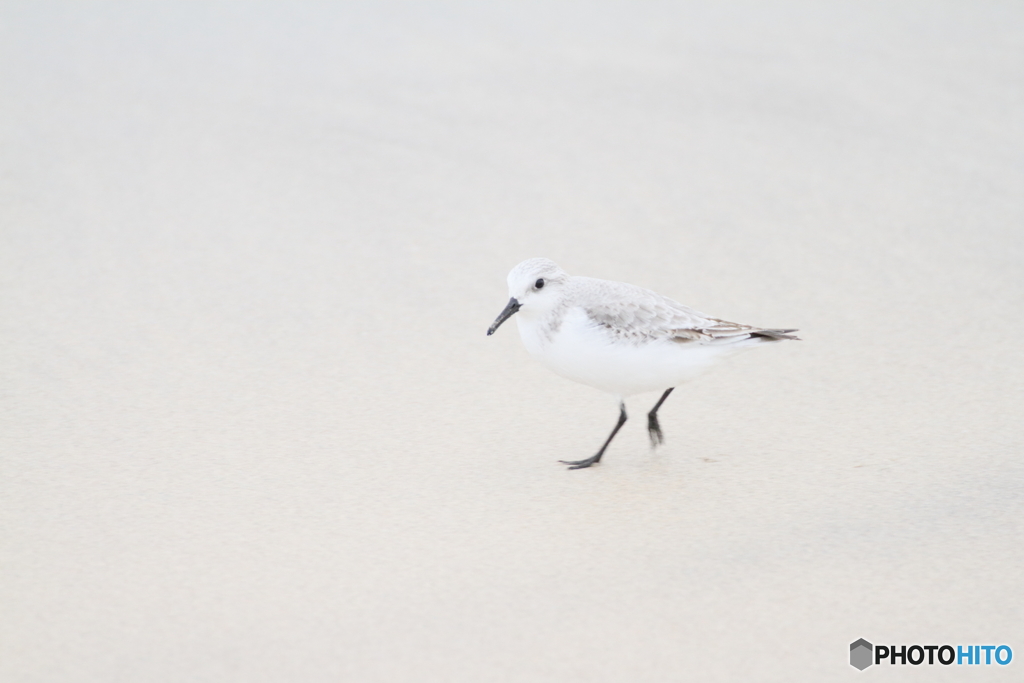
(860, 654)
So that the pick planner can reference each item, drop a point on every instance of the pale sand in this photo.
(252, 429)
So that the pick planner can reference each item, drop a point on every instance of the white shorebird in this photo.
(617, 337)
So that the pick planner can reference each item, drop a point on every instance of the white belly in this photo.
(586, 353)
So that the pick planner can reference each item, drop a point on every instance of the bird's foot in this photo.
(580, 464)
(654, 431)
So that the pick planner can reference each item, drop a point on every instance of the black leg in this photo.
(580, 464)
(653, 428)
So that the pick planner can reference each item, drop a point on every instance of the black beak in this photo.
(509, 311)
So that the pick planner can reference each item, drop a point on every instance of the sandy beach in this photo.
(251, 428)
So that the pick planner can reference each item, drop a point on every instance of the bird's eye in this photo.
(539, 284)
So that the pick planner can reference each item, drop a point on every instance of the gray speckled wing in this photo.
(640, 315)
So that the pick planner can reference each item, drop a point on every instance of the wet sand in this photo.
(251, 428)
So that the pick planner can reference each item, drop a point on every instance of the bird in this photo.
(619, 338)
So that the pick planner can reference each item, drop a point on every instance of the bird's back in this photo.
(638, 315)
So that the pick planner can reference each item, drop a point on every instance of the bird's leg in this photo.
(653, 428)
(580, 464)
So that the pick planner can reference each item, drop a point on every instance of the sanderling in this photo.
(617, 337)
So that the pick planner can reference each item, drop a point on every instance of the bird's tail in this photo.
(775, 335)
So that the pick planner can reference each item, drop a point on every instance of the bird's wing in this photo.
(630, 312)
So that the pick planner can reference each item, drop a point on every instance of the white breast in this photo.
(583, 351)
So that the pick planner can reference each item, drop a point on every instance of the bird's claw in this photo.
(654, 431)
(580, 464)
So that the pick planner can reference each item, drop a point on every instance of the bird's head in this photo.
(534, 287)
